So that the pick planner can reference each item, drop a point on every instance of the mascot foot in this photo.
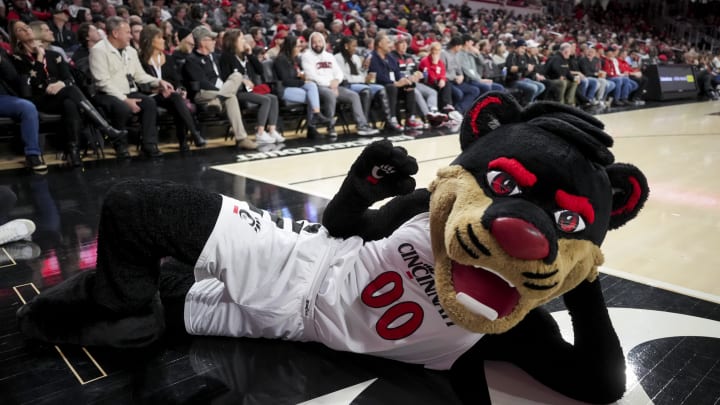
(65, 314)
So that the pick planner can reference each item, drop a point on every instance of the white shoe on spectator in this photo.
(264, 138)
(17, 229)
(277, 136)
(365, 130)
(455, 116)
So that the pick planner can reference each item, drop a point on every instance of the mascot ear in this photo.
(489, 112)
(630, 191)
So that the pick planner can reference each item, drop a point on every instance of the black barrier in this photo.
(670, 82)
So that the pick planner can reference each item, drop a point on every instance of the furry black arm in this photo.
(348, 214)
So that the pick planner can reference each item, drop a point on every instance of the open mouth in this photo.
(483, 292)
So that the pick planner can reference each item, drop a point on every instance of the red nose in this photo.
(520, 239)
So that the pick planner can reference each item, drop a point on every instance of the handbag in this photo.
(261, 89)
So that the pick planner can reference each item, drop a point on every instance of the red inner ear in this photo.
(476, 111)
(633, 200)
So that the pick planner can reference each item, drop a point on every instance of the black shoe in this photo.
(184, 147)
(198, 140)
(151, 150)
(73, 156)
(36, 163)
(121, 150)
(318, 119)
(115, 135)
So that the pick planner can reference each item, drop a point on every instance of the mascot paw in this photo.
(383, 170)
(65, 315)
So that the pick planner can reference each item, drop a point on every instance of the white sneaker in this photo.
(17, 229)
(264, 138)
(454, 115)
(277, 137)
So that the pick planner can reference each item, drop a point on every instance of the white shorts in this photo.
(253, 276)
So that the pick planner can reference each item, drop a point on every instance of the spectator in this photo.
(237, 57)
(135, 30)
(634, 74)
(463, 93)
(469, 60)
(117, 72)
(435, 75)
(277, 42)
(64, 36)
(295, 88)
(22, 11)
(221, 14)
(557, 71)
(591, 67)
(198, 16)
(44, 36)
(186, 44)
(426, 97)
(397, 85)
(358, 80)
(518, 69)
(179, 19)
(623, 85)
(52, 89)
(14, 107)
(162, 66)
(88, 35)
(237, 18)
(203, 71)
(321, 67)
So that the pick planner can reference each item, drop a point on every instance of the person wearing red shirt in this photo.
(623, 85)
(633, 74)
(434, 73)
(419, 44)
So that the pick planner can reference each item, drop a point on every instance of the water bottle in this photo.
(504, 72)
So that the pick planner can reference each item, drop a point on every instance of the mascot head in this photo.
(519, 216)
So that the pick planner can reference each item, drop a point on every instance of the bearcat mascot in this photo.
(446, 277)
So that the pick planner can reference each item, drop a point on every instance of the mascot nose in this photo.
(520, 239)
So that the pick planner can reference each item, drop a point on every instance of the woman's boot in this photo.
(198, 140)
(114, 135)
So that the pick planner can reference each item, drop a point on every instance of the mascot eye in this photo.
(502, 184)
(569, 221)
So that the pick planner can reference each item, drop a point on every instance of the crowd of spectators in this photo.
(408, 64)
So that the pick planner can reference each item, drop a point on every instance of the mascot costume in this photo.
(446, 277)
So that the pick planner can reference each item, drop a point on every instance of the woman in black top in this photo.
(295, 88)
(52, 89)
(156, 63)
(237, 57)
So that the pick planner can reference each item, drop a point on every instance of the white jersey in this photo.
(262, 277)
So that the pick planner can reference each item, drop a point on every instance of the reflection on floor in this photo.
(672, 339)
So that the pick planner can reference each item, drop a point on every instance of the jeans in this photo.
(464, 94)
(307, 94)
(623, 87)
(530, 88)
(426, 98)
(25, 111)
(588, 87)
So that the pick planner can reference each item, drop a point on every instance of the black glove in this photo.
(383, 170)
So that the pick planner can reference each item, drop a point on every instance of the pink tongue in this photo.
(485, 287)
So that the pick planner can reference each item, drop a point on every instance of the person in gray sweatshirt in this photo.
(463, 93)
